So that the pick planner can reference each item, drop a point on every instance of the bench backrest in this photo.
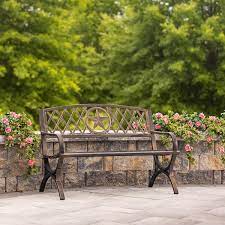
(96, 119)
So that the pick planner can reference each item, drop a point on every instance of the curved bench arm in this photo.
(172, 135)
(60, 140)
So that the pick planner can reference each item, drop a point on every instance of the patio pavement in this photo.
(200, 205)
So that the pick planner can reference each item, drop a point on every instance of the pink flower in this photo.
(29, 123)
(212, 118)
(198, 124)
(29, 140)
(5, 121)
(10, 138)
(221, 149)
(165, 119)
(201, 115)
(22, 144)
(209, 139)
(31, 162)
(176, 116)
(157, 126)
(159, 115)
(190, 124)
(8, 130)
(15, 115)
(188, 148)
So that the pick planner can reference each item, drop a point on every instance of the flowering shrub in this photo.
(17, 129)
(193, 128)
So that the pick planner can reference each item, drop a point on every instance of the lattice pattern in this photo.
(90, 119)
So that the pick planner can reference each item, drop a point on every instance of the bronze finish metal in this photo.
(101, 121)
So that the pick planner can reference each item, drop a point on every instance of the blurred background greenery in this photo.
(167, 55)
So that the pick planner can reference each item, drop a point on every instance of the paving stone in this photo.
(193, 205)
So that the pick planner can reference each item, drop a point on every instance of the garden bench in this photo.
(102, 122)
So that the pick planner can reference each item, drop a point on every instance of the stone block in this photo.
(116, 146)
(3, 157)
(142, 177)
(11, 184)
(108, 163)
(196, 164)
(132, 145)
(144, 145)
(196, 177)
(115, 178)
(78, 146)
(73, 180)
(70, 165)
(132, 163)
(95, 146)
(211, 162)
(217, 177)
(181, 163)
(131, 177)
(2, 185)
(203, 148)
(29, 183)
(4, 172)
(50, 148)
(90, 163)
(96, 178)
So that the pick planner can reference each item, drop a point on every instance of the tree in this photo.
(40, 63)
(167, 55)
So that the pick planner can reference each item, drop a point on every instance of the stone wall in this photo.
(109, 171)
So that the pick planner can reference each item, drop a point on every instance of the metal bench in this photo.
(101, 121)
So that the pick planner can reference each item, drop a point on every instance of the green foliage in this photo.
(18, 131)
(193, 128)
(168, 56)
(39, 54)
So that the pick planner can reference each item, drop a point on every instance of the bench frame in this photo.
(56, 131)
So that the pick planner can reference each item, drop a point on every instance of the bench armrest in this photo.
(172, 135)
(60, 140)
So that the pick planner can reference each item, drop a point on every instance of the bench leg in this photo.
(56, 175)
(168, 171)
(48, 172)
(59, 178)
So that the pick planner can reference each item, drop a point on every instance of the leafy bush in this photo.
(193, 128)
(18, 131)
